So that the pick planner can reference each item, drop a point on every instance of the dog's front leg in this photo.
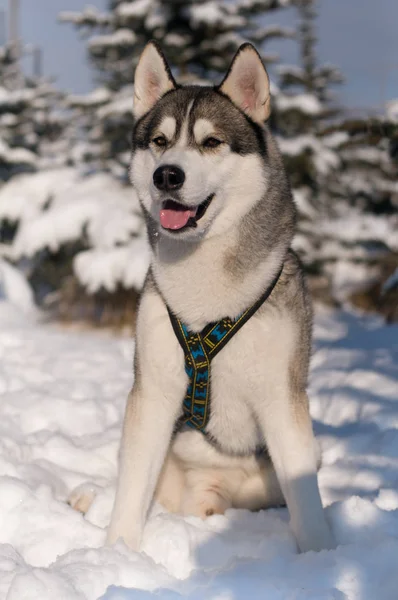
(147, 431)
(288, 433)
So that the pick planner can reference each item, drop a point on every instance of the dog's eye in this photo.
(160, 141)
(211, 142)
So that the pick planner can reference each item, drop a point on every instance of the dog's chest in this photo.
(238, 376)
(243, 375)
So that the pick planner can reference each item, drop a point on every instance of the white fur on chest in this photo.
(199, 289)
(241, 374)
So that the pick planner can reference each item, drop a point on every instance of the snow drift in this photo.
(61, 403)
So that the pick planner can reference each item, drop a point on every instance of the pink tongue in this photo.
(171, 218)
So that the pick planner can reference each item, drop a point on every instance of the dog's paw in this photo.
(131, 537)
(317, 540)
(82, 497)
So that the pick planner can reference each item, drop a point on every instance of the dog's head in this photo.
(198, 152)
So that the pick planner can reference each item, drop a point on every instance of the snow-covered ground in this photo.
(61, 402)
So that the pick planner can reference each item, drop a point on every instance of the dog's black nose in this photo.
(168, 177)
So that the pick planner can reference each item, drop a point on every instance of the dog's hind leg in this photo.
(207, 493)
(82, 497)
(259, 490)
(171, 485)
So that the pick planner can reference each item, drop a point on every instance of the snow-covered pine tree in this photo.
(343, 173)
(305, 105)
(32, 122)
(92, 223)
(199, 39)
(15, 150)
(32, 130)
(360, 248)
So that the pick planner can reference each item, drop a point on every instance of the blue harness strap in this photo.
(199, 350)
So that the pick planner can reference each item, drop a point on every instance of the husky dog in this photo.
(220, 220)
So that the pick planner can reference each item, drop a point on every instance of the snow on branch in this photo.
(335, 139)
(176, 40)
(212, 14)
(325, 159)
(121, 104)
(137, 9)
(98, 205)
(89, 17)
(109, 267)
(291, 75)
(291, 70)
(305, 103)
(121, 37)
(25, 195)
(355, 227)
(365, 154)
(252, 6)
(58, 206)
(20, 156)
(365, 182)
(15, 99)
(271, 32)
(95, 98)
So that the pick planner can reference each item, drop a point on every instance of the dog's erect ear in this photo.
(152, 79)
(247, 84)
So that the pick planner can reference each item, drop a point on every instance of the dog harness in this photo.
(199, 350)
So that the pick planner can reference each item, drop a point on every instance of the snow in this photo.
(8, 120)
(16, 155)
(121, 37)
(89, 16)
(109, 267)
(366, 154)
(121, 104)
(15, 97)
(325, 159)
(59, 206)
(306, 103)
(273, 31)
(356, 227)
(336, 139)
(365, 181)
(95, 98)
(175, 39)
(62, 396)
(302, 198)
(109, 209)
(347, 277)
(213, 14)
(15, 289)
(134, 9)
(25, 195)
(98, 202)
(293, 70)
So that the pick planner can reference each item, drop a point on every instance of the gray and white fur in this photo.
(259, 450)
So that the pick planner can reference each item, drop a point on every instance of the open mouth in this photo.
(177, 217)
